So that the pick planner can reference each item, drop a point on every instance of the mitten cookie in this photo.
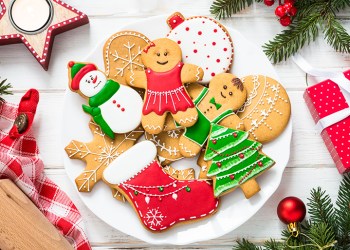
(159, 200)
(122, 53)
(98, 154)
(204, 42)
(115, 108)
(215, 105)
(234, 161)
(267, 110)
(167, 143)
(163, 81)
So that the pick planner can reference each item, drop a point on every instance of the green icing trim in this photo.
(95, 112)
(200, 97)
(110, 88)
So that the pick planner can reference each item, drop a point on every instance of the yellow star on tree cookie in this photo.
(98, 154)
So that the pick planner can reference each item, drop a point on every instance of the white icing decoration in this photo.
(130, 162)
(147, 199)
(123, 121)
(203, 44)
(174, 196)
(154, 217)
(92, 83)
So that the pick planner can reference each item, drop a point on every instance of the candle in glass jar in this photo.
(31, 16)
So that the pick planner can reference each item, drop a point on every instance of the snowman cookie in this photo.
(164, 80)
(267, 110)
(204, 42)
(215, 105)
(114, 107)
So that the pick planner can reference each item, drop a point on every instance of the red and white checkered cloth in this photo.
(20, 162)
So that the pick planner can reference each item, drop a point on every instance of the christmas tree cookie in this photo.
(115, 108)
(163, 81)
(234, 161)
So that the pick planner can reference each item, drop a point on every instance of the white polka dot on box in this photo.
(329, 107)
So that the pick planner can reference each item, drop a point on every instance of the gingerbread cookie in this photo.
(215, 104)
(204, 42)
(98, 154)
(115, 108)
(267, 110)
(167, 143)
(159, 200)
(163, 81)
(180, 174)
(234, 161)
(122, 53)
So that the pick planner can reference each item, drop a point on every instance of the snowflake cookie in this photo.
(98, 154)
(121, 54)
(204, 42)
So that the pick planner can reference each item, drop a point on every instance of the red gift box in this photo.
(323, 100)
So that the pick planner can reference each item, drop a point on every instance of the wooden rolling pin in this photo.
(22, 225)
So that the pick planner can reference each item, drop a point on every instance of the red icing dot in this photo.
(260, 164)
(241, 156)
(218, 164)
(206, 68)
(186, 56)
(235, 134)
(213, 74)
(199, 32)
(114, 101)
(225, 49)
(187, 28)
(215, 30)
(71, 64)
(194, 42)
(217, 60)
(214, 141)
(214, 43)
(123, 109)
(179, 42)
(195, 51)
(232, 176)
(118, 105)
(224, 38)
(208, 56)
(203, 22)
(205, 44)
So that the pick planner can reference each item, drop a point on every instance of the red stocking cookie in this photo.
(160, 200)
(204, 42)
(163, 81)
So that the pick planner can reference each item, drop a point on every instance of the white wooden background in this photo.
(310, 164)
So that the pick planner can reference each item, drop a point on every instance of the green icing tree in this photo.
(233, 158)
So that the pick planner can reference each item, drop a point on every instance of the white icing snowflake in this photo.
(254, 123)
(264, 113)
(173, 134)
(274, 88)
(269, 100)
(154, 217)
(129, 60)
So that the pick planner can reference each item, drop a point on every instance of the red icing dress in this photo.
(165, 92)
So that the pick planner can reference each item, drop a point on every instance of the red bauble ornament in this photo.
(285, 20)
(293, 11)
(291, 210)
(280, 11)
(269, 2)
(288, 6)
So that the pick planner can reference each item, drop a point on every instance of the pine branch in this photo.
(336, 34)
(294, 38)
(322, 234)
(246, 245)
(226, 8)
(273, 245)
(342, 214)
(4, 89)
(320, 207)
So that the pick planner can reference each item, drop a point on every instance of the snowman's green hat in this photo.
(77, 71)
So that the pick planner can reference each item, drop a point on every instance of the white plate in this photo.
(234, 209)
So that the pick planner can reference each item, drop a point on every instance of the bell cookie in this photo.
(267, 110)
(215, 105)
(167, 143)
(204, 42)
(122, 53)
(114, 107)
(159, 200)
(163, 81)
(98, 154)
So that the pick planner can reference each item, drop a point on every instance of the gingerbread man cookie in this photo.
(204, 42)
(267, 110)
(164, 81)
(215, 105)
(115, 108)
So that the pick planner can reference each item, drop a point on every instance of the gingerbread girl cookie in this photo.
(215, 105)
(163, 81)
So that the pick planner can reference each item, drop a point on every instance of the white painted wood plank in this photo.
(265, 224)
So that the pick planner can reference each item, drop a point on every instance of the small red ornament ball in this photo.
(285, 21)
(293, 11)
(269, 2)
(291, 209)
(288, 6)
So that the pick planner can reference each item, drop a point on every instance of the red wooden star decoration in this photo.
(64, 17)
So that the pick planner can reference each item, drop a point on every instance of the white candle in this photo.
(30, 15)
